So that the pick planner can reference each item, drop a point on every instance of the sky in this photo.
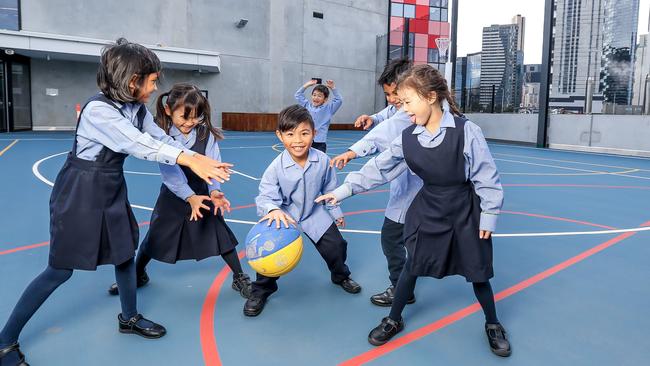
(473, 15)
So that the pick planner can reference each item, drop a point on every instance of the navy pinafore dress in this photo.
(442, 224)
(91, 221)
(173, 237)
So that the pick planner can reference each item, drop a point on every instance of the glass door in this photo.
(21, 105)
(3, 98)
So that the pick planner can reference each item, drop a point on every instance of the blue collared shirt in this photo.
(322, 115)
(383, 115)
(102, 125)
(479, 168)
(403, 188)
(173, 176)
(287, 186)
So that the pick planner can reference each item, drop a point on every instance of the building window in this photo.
(397, 10)
(9, 15)
(409, 11)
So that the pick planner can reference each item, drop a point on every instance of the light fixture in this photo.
(241, 23)
(9, 51)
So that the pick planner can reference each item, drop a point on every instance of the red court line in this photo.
(454, 317)
(558, 219)
(574, 186)
(207, 333)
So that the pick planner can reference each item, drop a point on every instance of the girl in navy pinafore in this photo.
(449, 224)
(187, 221)
(91, 222)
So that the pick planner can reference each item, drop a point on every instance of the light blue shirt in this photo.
(403, 188)
(291, 188)
(173, 176)
(322, 115)
(479, 168)
(383, 115)
(102, 125)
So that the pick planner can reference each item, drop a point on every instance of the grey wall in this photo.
(509, 127)
(263, 63)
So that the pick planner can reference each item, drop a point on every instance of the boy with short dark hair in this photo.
(321, 111)
(287, 192)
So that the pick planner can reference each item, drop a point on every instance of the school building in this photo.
(250, 56)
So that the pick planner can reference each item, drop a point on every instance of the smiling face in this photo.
(418, 108)
(317, 98)
(143, 92)
(298, 140)
(185, 125)
(390, 91)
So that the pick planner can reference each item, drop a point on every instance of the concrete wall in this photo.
(509, 127)
(263, 63)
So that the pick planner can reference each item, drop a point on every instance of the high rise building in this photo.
(531, 85)
(593, 39)
(501, 68)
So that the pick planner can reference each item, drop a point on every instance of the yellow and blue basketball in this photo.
(271, 251)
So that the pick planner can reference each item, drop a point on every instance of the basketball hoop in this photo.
(443, 45)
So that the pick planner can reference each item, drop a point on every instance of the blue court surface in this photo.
(571, 273)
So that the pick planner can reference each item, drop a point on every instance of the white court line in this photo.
(244, 175)
(588, 171)
(571, 161)
(568, 151)
(35, 170)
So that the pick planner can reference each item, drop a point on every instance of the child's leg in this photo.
(264, 286)
(125, 278)
(485, 297)
(333, 248)
(33, 297)
(141, 262)
(403, 292)
(392, 244)
(232, 260)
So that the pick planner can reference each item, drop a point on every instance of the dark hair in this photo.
(118, 63)
(189, 97)
(323, 89)
(425, 79)
(292, 116)
(392, 71)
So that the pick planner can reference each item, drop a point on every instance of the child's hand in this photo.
(309, 83)
(205, 167)
(484, 234)
(330, 84)
(327, 198)
(277, 216)
(342, 160)
(196, 203)
(364, 121)
(340, 222)
(220, 202)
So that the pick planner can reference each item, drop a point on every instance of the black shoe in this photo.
(141, 281)
(498, 342)
(386, 298)
(13, 348)
(131, 326)
(350, 286)
(242, 284)
(385, 331)
(254, 306)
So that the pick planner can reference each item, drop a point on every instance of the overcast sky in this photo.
(473, 15)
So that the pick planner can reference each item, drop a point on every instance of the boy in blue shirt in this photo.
(321, 111)
(287, 192)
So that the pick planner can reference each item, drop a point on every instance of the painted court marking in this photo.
(8, 147)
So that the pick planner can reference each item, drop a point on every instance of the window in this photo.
(443, 15)
(409, 11)
(396, 10)
(9, 15)
(434, 14)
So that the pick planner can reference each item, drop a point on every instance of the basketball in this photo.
(271, 251)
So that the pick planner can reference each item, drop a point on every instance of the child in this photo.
(388, 82)
(461, 197)
(178, 229)
(91, 222)
(403, 189)
(321, 113)
(287, 192)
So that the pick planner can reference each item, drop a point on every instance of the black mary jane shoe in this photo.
(242, 284)
(131, 326)
(254, 306)
(499, 343)
(385, 299)
(141, 281)
(13, 348)
(350, 286)
(385, 331)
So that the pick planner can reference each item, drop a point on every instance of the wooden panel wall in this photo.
(262, 122)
